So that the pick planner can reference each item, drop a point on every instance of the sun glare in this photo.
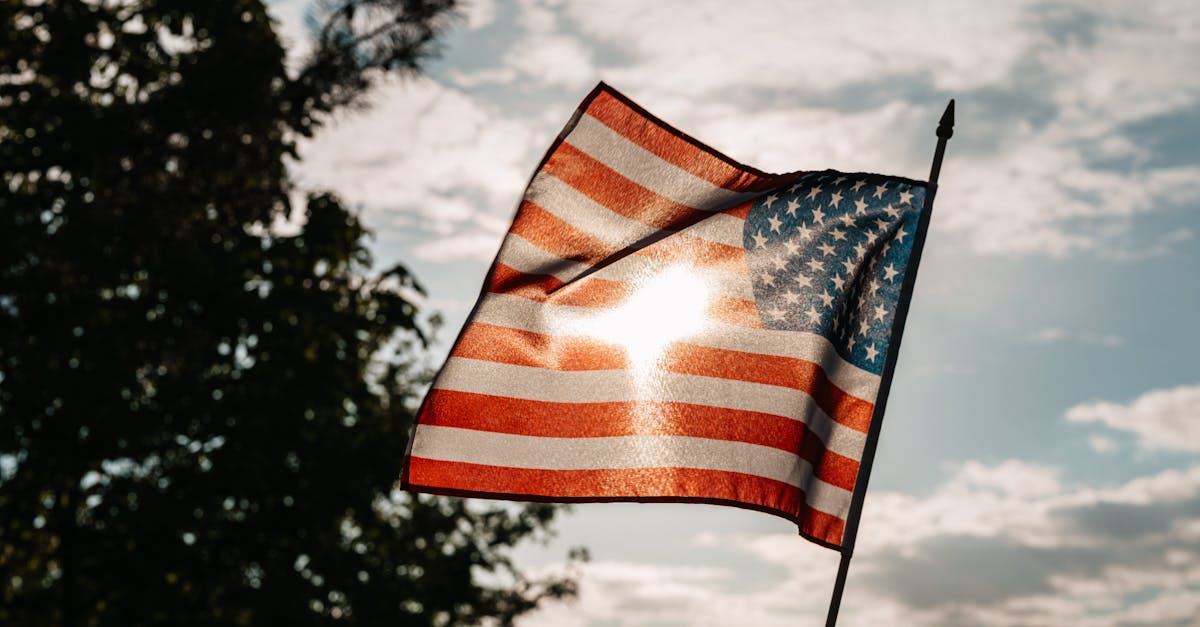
(666, 306)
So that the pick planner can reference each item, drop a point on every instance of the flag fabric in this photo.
(662, 323)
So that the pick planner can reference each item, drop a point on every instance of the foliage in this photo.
(201, 418)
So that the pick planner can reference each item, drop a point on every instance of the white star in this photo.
(858, 184)
(815, 266)
(771, 200)
(900, 233)
(905, 197)
(862, 206)
(850, 344)
(759, 240)
(872, 353)
(818, 216)
(835, 199)
(812, 193)
(839, 180)
(863, 327)
(838, 281)
(880, 312)
(791, 246)
(814, 316)
(792, 206)
(775, 223)
(804, 231)
(795, 186)
(882, 224)
(850, 266)
(826, 298)
(776, 313)
(838, 235)
(768, 279)
(827, 249)
(802, 280)
(879, 190)
(780, 262)
(860, 249)
(847, 219)
(791, 297)
(892, 211)
(890, 272)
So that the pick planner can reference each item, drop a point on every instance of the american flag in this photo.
(662, 323)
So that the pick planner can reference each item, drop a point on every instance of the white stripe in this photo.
(565, 320)
(649, 170)
(477, 376)
(721, 228)
(626, 452)
(522, 255)
(575, 208)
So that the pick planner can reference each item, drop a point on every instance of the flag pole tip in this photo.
(945, 128)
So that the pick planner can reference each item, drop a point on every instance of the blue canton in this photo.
(827, 255)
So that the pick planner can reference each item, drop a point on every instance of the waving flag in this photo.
(662, 323)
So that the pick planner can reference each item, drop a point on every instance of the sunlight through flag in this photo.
(662, 323)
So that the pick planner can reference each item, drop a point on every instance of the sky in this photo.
(1040, 457)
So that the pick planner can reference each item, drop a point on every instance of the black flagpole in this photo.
(945, 130)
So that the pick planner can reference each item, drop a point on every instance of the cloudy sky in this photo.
(1040, 460)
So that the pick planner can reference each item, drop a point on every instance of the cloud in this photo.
(1049, 158)
(1167, 420)
(429, 159)
(1046, 92)
(479, 246)
(552, 60)
(480, 13)
(702, 49)
(1102, 444)
(1056, 335)
(996, 544)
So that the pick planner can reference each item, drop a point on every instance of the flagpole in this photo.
(945, 131)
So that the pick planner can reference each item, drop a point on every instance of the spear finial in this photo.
(945, 130)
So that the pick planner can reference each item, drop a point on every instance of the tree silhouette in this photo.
(201, 418)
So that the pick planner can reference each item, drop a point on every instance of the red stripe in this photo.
(669, 146)
(740, 211)
(636, 484)
(524, 348)
(466, 410)
(799, 374)
(557, 236)
(621, 195)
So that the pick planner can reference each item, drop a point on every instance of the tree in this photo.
(201, 418)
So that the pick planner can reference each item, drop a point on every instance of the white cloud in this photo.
(1037, 191)
(1055, 335)
(1166, 419)
(1102, 444)
(998, 544)
(427, 157)
(480, 13)
(1018, 182)
(703, 49)
(476, 245)
(552, 60)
